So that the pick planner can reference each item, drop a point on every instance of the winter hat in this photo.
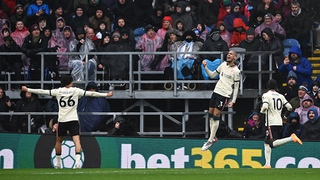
(226, 2)
(34, 27)
(18, 5)
(291, 74)
(250, 31)
(302, 87)
(148, 27)
(116, 33)
(67, 28)
(268, 15)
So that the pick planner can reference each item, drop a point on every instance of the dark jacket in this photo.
(211, 45)
(303, 70)
(292, 127)
(273, 45)
(207, 13)
(311, 129)
(298, 27)
(89, 123)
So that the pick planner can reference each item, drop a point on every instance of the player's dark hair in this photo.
(272, 84)
(65, 80)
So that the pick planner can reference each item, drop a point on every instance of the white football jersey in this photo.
(67, 100)
(272, 105)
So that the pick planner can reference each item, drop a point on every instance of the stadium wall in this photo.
(37, 151)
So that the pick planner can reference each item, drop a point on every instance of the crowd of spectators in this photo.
(169, 25)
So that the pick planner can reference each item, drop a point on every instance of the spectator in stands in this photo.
(311, 129)
(5, 106)
(29, 102)
(207, 12)
(291, 89)
(234, 13)
(224, 10)
(33, 44)
(254, 127)
(156, 18)
(89, 122)
(93, 5)
(267, 6)
(161, 62)
(285, 7)
(239, 33)
(58, 12)
(179, 25)
(117, 65)
(12, 63)
(279, 18)
(317, 99)
(78, 63)
(214, 43)
(36, 10)
(181, 14)
(19, 15)
(256, 20)
(100, 30)
(292, 125)
(224, 33)
(121, 24)
(20, 33)
(57, 33)
(314, 89)
(250, 43)
(203, 30)
(298, 26)
(122, 127)
(42, 22)
(148, 42)
(296, 101)
(306, 103)
(270, 22)
(271, 43)
(125, 10)
(299, 65)
(166, 25)
(125, 36)
(5, 31)
(79, 18)
(142, 9)
(98, 17)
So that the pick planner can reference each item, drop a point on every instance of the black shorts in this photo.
(274, 133)
(217, 101)
(71, 126)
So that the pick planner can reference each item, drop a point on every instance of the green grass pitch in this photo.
(160, 174)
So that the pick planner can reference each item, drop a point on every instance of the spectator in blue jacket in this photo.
(90, 123)
(299, 65)
(292, 125)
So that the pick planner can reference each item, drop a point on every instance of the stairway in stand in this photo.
(315, 62)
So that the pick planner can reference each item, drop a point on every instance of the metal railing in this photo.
(137, 81)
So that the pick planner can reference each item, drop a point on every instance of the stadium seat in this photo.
(287, 44)
(138, 32)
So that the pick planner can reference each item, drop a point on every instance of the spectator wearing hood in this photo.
(88, 122)
(278, 15)
(292, 125)
(234, 13)
(299, 65)
(239, 33)
(166, 25)
(214, 43)
(314, 89)
(267, 6)
(224, 10)
(270, 22)
(305, 105)
(291, 89)
(224, 33)
(79, 18)
(181, 14)
(207, 12)
(311, 129)
(271, 43)
(203, 31)
(254, 128)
